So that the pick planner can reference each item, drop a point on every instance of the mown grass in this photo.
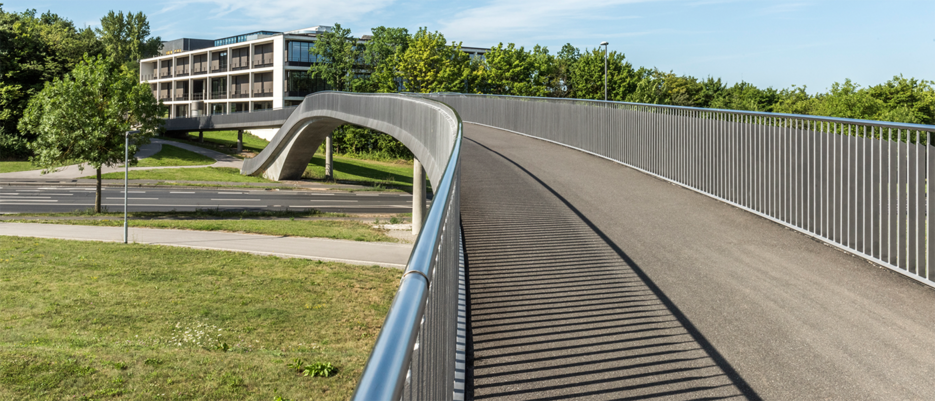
(221, 174)
(88, 320)
(224, 141)
(380, 174)
(11, 167)
(335, 229)
(174, 156)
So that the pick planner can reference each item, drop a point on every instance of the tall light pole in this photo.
(604, 43)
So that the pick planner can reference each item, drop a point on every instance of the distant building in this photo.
(254, 71)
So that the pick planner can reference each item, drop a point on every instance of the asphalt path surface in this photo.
(591, 280)
(51, 199)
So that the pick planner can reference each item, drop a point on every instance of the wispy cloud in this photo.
(514, 20)
(276, 14)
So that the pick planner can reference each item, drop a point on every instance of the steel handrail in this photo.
(885, 124)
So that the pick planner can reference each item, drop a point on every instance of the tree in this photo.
(560, 74)
(380, 56)
(126, 39)
(82, 118)
(34, 50)
(337, 58)
(511, 71)
(431, 65)
(587, 76)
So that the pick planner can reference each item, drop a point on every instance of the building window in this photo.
(300, 83)
(298, 52)
(218, 108)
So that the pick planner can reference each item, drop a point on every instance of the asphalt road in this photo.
(20, 199)
(590, 280)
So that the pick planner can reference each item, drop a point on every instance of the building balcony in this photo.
(222, 68)
(218, 95)
(298, 64)
(165, 99)
(181, 97)
(198, 96)
(183, 73)
(165, 74)
(263, 94)
(240, 95)
(199, 71)
(238, 67)
(263, 63)
(148, 77)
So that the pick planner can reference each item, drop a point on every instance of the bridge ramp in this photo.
(591, 280)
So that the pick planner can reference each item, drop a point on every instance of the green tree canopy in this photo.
(381, 54)
(82, 117)
(431, 65)
(508, 70)
(126, 39)
(587, 76)
(337, 58)
(34, 50)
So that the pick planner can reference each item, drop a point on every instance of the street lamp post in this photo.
(604, 43)
(126, 180)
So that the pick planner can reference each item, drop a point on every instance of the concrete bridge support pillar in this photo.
(418, 195)
(329, 161)
(239, 140)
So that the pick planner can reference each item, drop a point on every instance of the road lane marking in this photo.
(238, 200)
(133, 198)
(134, 192)
(176, 192)
(230, 193)
(34, 201)
(25, 197)
(27, 190)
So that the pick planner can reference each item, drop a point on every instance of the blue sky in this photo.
(768, 43)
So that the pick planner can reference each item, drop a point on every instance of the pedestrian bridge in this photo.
(617, 251)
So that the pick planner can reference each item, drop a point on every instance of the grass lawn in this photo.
(10, 167)
(382, 174)
(90, 320)
(224, 141)
(174, 156)
(225, 174)
(335, 229)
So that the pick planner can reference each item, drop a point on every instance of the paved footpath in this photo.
(591, 280)
(352, 252)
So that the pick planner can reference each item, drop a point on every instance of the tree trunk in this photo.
(97, 197)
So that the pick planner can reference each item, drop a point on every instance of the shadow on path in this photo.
(558, 311)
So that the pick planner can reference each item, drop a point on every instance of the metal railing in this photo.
(181, 97)
(198, 70)
(198, 96)
(262, 94)
(239, 95)
(266, 62)
(219, 95)
(859, 185)
(181, 72)
(222, 68)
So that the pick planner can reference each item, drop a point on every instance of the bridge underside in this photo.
(590, 279)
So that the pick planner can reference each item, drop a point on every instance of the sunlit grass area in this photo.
(10, 167)
(90, 320)
(221, 174)
(174, 156)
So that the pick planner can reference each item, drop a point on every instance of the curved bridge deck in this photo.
(588, 279)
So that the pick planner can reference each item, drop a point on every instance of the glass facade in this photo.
(243, 38)
(299, 83)
(298, 52)
(218, 108)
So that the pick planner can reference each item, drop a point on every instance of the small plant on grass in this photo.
(297, 364)
(394, 220)
(322, 369)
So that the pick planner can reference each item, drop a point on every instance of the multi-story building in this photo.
(254, 71)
